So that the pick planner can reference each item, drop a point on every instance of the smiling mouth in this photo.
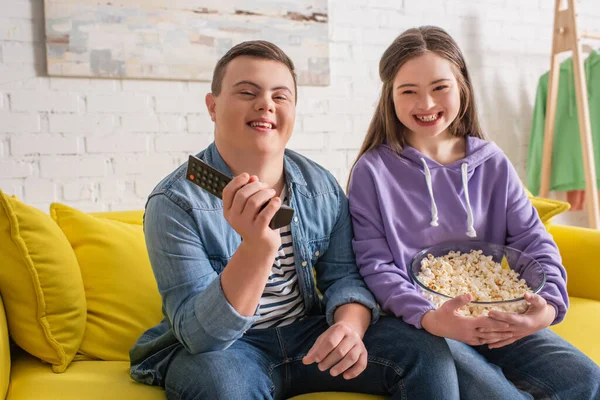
(428, 118)
(266, 125)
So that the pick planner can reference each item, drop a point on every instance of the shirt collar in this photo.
(292, 171)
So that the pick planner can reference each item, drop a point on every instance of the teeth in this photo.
(428, 118)
(263, 124)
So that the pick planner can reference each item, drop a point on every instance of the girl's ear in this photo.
(211, 105)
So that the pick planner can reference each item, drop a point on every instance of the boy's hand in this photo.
(243, 198)
(340, 348)
(538, 316)
(445, 322)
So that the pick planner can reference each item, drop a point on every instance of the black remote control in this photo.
(213, 181)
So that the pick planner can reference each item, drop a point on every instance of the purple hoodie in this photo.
(404, 202)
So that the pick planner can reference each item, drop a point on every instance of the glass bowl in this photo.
(527, 268)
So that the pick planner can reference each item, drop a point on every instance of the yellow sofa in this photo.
(84, 340)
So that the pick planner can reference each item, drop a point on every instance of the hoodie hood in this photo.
(478, 151)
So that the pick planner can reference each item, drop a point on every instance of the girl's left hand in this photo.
(538, 316)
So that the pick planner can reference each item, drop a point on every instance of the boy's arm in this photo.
(338, 278)
(192, 295)
(354, 314)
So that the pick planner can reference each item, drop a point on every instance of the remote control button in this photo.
(192, 177)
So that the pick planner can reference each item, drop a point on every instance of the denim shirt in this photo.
(189, 244)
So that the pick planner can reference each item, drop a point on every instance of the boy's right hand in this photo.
(445, 322)
(242, 199)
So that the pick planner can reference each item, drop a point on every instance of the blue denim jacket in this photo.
(190, 242)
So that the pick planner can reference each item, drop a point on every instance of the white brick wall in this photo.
(101, 144)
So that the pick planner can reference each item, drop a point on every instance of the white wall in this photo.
(103, 144)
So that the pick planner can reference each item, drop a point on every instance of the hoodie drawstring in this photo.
(470, 222)
(434, 211)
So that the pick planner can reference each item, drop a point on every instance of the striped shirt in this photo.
(281, 302)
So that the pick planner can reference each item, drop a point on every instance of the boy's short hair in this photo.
(255, 48)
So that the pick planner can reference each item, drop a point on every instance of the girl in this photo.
(425, 175)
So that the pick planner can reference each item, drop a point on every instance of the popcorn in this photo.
(459, 273)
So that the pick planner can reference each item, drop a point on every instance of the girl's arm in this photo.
(389, 282)
(526, 232)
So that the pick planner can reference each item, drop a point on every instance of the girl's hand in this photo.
(538, 316)
(475, 331)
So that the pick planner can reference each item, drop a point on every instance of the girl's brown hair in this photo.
(385, 126)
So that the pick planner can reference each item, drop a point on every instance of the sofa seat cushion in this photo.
(90, 380)
(100, 380)
(581, 326)
(337, 396)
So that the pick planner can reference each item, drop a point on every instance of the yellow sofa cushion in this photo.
(101, 380)
(134, 217)
(576, 244)
(41, 284)
(337, 396)
(547, 208)
(121, 292)
(4, 353)
(581, 326)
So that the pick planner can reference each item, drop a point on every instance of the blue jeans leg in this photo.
(548, 366)
(240, 372)
(539, 366)
(403, 362)
(480, 379)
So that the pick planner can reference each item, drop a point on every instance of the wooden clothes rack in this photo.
(566, 37)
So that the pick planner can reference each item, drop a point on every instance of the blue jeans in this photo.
(403, 362)
(539, 366)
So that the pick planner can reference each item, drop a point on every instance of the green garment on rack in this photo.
(567, 172)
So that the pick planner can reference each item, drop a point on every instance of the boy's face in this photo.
(426, 96)
(256, 110)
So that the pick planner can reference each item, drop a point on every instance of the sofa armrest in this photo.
(4, 353)
(579, 248)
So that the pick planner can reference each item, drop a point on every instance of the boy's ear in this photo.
(210, 105)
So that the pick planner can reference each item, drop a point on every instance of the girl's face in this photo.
(426, 97)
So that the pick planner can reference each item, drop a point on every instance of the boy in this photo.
(244, 319)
